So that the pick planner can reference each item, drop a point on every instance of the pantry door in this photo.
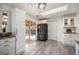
(52, 30)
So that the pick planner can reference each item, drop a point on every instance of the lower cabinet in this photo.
(7, 46)
(12, 52)
(70, 38)
(77, 48)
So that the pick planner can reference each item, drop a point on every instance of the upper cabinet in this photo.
(70, 22)
(0, 22)
(66, 22)
(70, 25)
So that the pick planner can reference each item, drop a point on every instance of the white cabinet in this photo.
(67, 39)
(7, 46)
(70, 38)
(66, 22)
(77, 48)
(70, 21)
(18, 28)
(42, 21)
(0, 21)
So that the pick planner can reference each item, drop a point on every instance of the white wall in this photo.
(77, 23)
(7, 8)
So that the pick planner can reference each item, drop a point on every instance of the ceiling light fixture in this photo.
(41, 5)
(52, 11)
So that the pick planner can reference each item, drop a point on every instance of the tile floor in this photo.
(50, 47)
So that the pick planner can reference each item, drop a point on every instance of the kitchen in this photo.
(62, 28)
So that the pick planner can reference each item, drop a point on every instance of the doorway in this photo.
(30, 31)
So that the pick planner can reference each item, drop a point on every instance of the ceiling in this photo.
(35, 11)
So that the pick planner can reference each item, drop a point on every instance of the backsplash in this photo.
(70, 30)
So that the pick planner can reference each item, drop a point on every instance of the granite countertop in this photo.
(77, 42)
(69, 33)
(7, 37)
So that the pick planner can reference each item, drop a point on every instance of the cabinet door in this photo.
(11, 51)
(74, 37)
(66, 22)
(0, 21)
(72, 21)
(12, 43)
(52, 31)
(67, 38)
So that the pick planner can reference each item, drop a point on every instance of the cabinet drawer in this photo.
(11, 39)
(5, 53)
(4, 46)
(4, 50)
(1, 47)
(1, 42)
(6, 40)
(12, 45)
(11, 52)
(8, 52)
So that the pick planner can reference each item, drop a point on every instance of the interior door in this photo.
(20, 29)
(52, 30)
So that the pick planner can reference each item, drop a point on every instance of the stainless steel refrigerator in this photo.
(42, 32)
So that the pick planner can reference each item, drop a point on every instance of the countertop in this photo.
(77, 42)
(7, 37)
(70, 33)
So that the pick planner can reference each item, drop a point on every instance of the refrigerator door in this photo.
(42, 32)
